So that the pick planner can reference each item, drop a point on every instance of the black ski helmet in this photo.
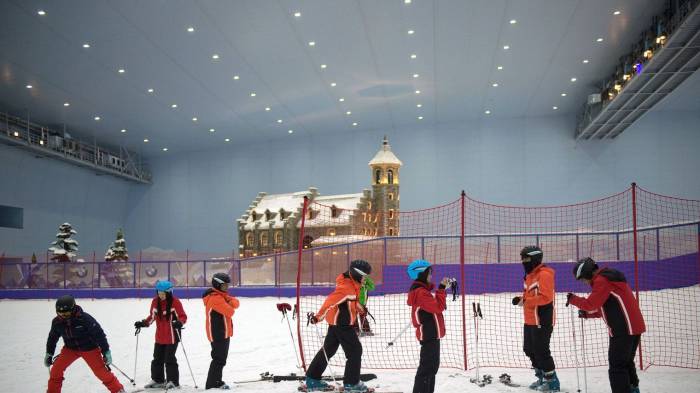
(359, 268)
(535, 254)
(220, 278)
(585, 268)
(65, 303)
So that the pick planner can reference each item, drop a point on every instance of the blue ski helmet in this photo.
(416, 268)
(164, 286)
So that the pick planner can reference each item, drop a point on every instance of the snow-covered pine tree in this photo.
(64, 249)
(117, 250)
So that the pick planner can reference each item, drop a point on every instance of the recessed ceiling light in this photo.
(173, 106)
(488, 112)
(227, 140)
(123, 130)
(194, 119)
(616, 13)
(333, 84)
(513, 21)
(165, 149)
(66, 104)
(407, 1)
(211, 130)
(416, 75)
(150, 90)
(97, 118)
(499, 68)
(145, 140)
(312, 43)
(190, 29)
(413, 56)
(573, 79)
(417, 91)
(121, 70)
(29, 86)
(215, 56)
(585, 61)
(420, 117)
(410, 32)
(563, 94)
(506, 47)
(419, 105)
(267, 108)
(290, 131)
(323, 66)
(600, 39)
(354, 124)
(555, 107)
(253, 94)
(86, 45)
(41, 12)
(236, 77)
(494, 84)
(348, 113)
(297, 14)
(341, 99)
(279, 120)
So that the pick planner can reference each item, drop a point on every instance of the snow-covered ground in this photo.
(261, 343)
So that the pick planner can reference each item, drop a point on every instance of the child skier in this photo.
(166, 310)
(426, 316)
(538, 308)
(340, 310)
(83, 338)
(220, 307)
(612, 299)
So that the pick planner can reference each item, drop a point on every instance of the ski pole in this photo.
(186, 358)
(583, 349)
(283, 308)
(123, 373)
(136, 355)
(476, 329)
(573, 332)
(323, 348)
(390, 343)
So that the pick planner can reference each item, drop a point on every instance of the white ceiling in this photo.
(364, 43)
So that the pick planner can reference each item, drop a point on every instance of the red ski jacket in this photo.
(165, 333)
(426, 310)
(612, 299)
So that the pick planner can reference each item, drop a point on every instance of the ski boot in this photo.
(170, 385)
(316, 385)
(154, 385)
(634, 389)
(550, 382)
(359, 387)
(538, 373)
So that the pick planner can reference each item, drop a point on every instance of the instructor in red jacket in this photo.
(612, 299)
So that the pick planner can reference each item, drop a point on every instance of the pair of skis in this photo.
(269, 377)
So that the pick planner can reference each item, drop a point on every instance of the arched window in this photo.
(377, 176)
(331, 232)
(310, 215)
(278, 238)
(391, 214)
(390, 176)
(249, 239)
(263, 239)
(391, 231)
(390, 196)
(307, 241)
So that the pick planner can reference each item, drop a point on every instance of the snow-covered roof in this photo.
(290, 203)
(339, 239)
(346, 203)
(385, 156)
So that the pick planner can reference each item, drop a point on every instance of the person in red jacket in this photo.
(219, 307)
(166, 310)
(612, 299)
(426, 316)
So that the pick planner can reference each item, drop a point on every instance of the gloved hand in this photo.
(107, 357)
(516, 300)
(313, 320)
(284, 307)
(445, 282)
(362, 310)
(140, 324)
(177, 324)
(568, 298)
(582, 314)
(48, 359)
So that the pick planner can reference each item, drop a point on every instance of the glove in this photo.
(363, 311)
(582, 314)
(516, 300)
(48, 359)
(140, 324)
(107, 357)
(177, 324)
(283, 307)
(568, 298)
(313, 320)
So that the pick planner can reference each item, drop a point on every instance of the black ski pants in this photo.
(219, 353)
(622, 372)
(346, 337)
(536, 346)
(428, 366)
(164, 358)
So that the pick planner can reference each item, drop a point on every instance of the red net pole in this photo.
(636, 260)
(463, 281)
(298, 306)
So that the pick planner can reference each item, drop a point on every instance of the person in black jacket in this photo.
(83, 338)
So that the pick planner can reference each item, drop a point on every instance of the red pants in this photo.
(94, 360)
